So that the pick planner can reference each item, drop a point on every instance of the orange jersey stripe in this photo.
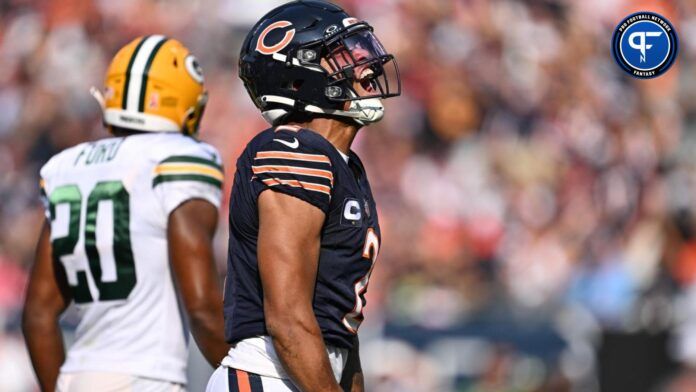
(294, 170)
(292, 155)
(243, 381)
(299, 184)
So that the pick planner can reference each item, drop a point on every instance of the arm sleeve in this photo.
(301, 172)
(195, 173)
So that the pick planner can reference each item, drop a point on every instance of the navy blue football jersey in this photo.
(303, 164)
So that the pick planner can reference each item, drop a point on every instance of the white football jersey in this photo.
(108, 203)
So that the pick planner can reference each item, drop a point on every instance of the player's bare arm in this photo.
(288, 248)
(190, 234)
(47, 297)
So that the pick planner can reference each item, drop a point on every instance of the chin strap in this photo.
(362, 111)
(98, 96)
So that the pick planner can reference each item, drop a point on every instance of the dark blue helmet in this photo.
(311, 58)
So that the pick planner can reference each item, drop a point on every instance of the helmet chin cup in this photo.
(368, 110)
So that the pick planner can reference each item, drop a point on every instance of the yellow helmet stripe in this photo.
(134, 74)
(172, 168)
(146, 71)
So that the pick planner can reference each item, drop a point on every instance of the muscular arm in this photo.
(47, 297)
(288, 256)
(352, 377)
(190, 234)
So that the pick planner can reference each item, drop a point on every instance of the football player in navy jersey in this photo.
(304, 233)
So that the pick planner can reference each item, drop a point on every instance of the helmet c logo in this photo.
(261, 47)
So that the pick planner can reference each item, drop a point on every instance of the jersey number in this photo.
(116, 193)
(353, 319)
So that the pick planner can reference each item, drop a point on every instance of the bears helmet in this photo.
(309, 56)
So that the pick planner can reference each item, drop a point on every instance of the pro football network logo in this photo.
(645, 45)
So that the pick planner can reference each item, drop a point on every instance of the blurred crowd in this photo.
(537, 204)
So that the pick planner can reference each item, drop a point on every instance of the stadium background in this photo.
(537, 204)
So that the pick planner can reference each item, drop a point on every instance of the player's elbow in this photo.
(277, 328)
(202, 313)
(288, 321)
(34, 320)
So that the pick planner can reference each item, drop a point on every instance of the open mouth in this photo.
(358, 61)
(366, 78)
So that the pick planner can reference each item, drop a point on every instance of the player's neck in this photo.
(338, 133)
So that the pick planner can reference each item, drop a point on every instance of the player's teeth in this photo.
(366, 73)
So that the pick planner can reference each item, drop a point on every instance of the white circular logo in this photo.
(194, 69)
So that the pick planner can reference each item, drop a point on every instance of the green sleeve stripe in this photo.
(186, 177)
(191, 159)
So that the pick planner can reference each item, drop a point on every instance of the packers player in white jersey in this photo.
(128, 235)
